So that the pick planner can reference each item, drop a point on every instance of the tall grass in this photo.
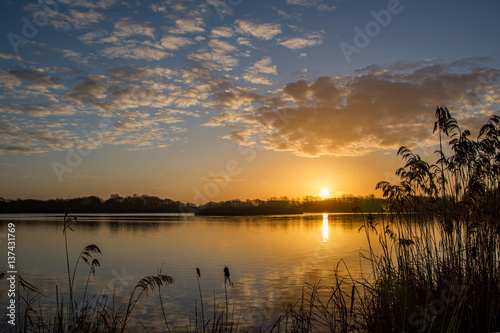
(438, 267)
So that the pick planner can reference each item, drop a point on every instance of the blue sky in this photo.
(213, 100)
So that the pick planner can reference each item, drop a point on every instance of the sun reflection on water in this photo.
(325, 227)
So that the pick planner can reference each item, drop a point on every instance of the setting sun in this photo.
(325, 193)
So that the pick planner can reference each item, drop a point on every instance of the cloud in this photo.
(351, 116)
(28, 137)
(72, 56)
(234, 98)
(76, 19)
(319, 4)
(102, 4)
(90, 89)
(254, 74)
(172, 42)
(8, 127)
(136, 51)
(188, 26)
(297, 43)
(126, 27)
(38, 110)
(265, 31)
(9, 81)
(126, 88)
(132, 73)
(18, 149)
(123, 42)
(137, 96)
(35, 78)
(222, 32)
(6, 56)
(158, 8)
(220, 45)
(215, 60)
(244, 41)
(140, 134)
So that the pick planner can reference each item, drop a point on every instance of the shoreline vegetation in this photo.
(136, 204)
(438, 269)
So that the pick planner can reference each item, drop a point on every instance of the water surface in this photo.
(269, 258)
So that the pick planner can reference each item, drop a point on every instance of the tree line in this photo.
(92, 204)
(285, 205)
(152, 204)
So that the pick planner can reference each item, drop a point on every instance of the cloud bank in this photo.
(380, 108)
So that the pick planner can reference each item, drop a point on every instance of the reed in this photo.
(439, 265)
(145, 285)
(441, 239)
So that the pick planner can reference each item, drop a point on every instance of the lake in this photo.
(269, 259)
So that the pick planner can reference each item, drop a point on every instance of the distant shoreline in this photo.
(144, 204)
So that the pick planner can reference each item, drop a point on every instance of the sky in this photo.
(211, 100)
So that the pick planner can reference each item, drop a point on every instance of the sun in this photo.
(325, 193)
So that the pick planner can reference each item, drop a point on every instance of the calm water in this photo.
(269, 258)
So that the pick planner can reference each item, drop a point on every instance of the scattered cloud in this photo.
(297, 43)
(6, 56)
(244, 41)
(220, 45)
(72, 56)
(158, 7)
(132, 73)
(36, 78)
(215, 60)
(188, 26)
(222, 32)
(76, 19)
(101, 4)
(38, 110)
(265, 31)
(17, 149)
(319, 4)
(90, 89)
(136, 51)
(173, 42)
(126, 27)
(255, 73)
(351, 116)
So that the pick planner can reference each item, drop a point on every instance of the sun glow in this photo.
(325, 193)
